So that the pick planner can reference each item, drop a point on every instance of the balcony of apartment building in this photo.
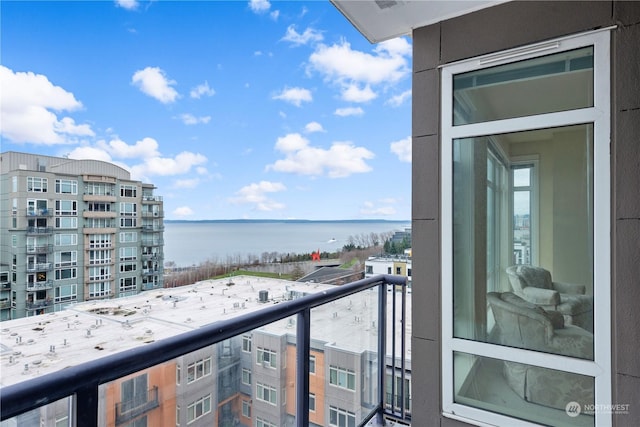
(152, 242)
(141, 403)
(37, 267)
(46, 248)
(39, 213)
(152, 228)
(42, 285)
(92, 213)
(37, 230)
(339, 356)
(39, 305)
(150, 199)
(151, 256)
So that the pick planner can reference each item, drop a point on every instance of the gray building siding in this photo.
(494, 29)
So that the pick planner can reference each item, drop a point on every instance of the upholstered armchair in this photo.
(534, 285)
(525, 325)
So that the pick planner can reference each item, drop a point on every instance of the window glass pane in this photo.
(545, 307)
(532, 393)
(547, 84)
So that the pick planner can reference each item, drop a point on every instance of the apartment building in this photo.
(74, 230)
(399, 265)
(247, 380)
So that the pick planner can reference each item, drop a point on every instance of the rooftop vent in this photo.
(263, 296)
(386, 4)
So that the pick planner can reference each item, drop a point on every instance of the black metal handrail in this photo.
(84, 380)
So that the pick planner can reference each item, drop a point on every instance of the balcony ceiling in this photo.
(382, 20)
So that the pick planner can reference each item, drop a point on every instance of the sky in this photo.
(232, 109)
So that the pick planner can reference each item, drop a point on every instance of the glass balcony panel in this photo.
(58, 414)
(518, 390)
(344, 342)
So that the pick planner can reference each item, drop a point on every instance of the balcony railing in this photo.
(39, 266)
(39, 249)
(38, 304)
(149, 198)
(39, 230)
(144, 402)
(39, 286)
(82, 382)
(39, 212)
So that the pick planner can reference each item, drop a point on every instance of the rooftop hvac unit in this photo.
(263, 296)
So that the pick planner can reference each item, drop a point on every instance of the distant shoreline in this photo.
(292, 221)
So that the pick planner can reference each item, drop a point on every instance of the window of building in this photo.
(133, 393)
(98, 290)
(128, 266)
(66, 207)
(66, 273)
(246, 376)
(261, 422)
(199, 408)
(178, 374)
(389, 270)
(66, 186)
(100, 207)
(99, 256)
(65, 293)
(398, 270)
(128, 254)
(63, 222)
(246, 343)
(138, 422)
(128, 222)
(526, 220)
(66, 258)
(62, 421)
(128, 191)
(198, 369)
(36, 184)
(246, 409)
(99, 189)
(128, 209)
(14, 184)
(369, 269)
(312, 402)
(100, 273)
(128, 286)
(128, 237)
(266, 393)
(266, 358)
(312, 364)
(37, 207)
(341, 418)
(343, 378)
(99, 241)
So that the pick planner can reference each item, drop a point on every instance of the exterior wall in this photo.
(494, 29)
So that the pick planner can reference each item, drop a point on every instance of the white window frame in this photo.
(72, 184)
(268, 362)
(271, 394)
(599, 115)
(246, 376)
(198, 370)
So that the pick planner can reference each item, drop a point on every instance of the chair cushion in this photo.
(537, 277)
(514, 299)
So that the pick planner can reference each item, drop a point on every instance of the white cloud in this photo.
(371, 209)
(402, 149)
(29, 107)
(152, 81)
(275, 15)
(352, 93)
(167, 166)
(201, 90)
(339, 161)
(256, 194)
(308, 36)
(186, 183)
(190, 119)
(349, 111)
(339, 64)
(127, 4)
(146, 148)
(259, 6)
(183, 211)
(398, 100)
(312, 127)
(294, 95)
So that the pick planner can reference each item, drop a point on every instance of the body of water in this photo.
(188, 243)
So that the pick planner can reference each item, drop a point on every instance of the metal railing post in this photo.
(87, 405)
(382, 349)
(303, 344)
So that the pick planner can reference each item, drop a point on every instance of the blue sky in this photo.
(233, 109)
